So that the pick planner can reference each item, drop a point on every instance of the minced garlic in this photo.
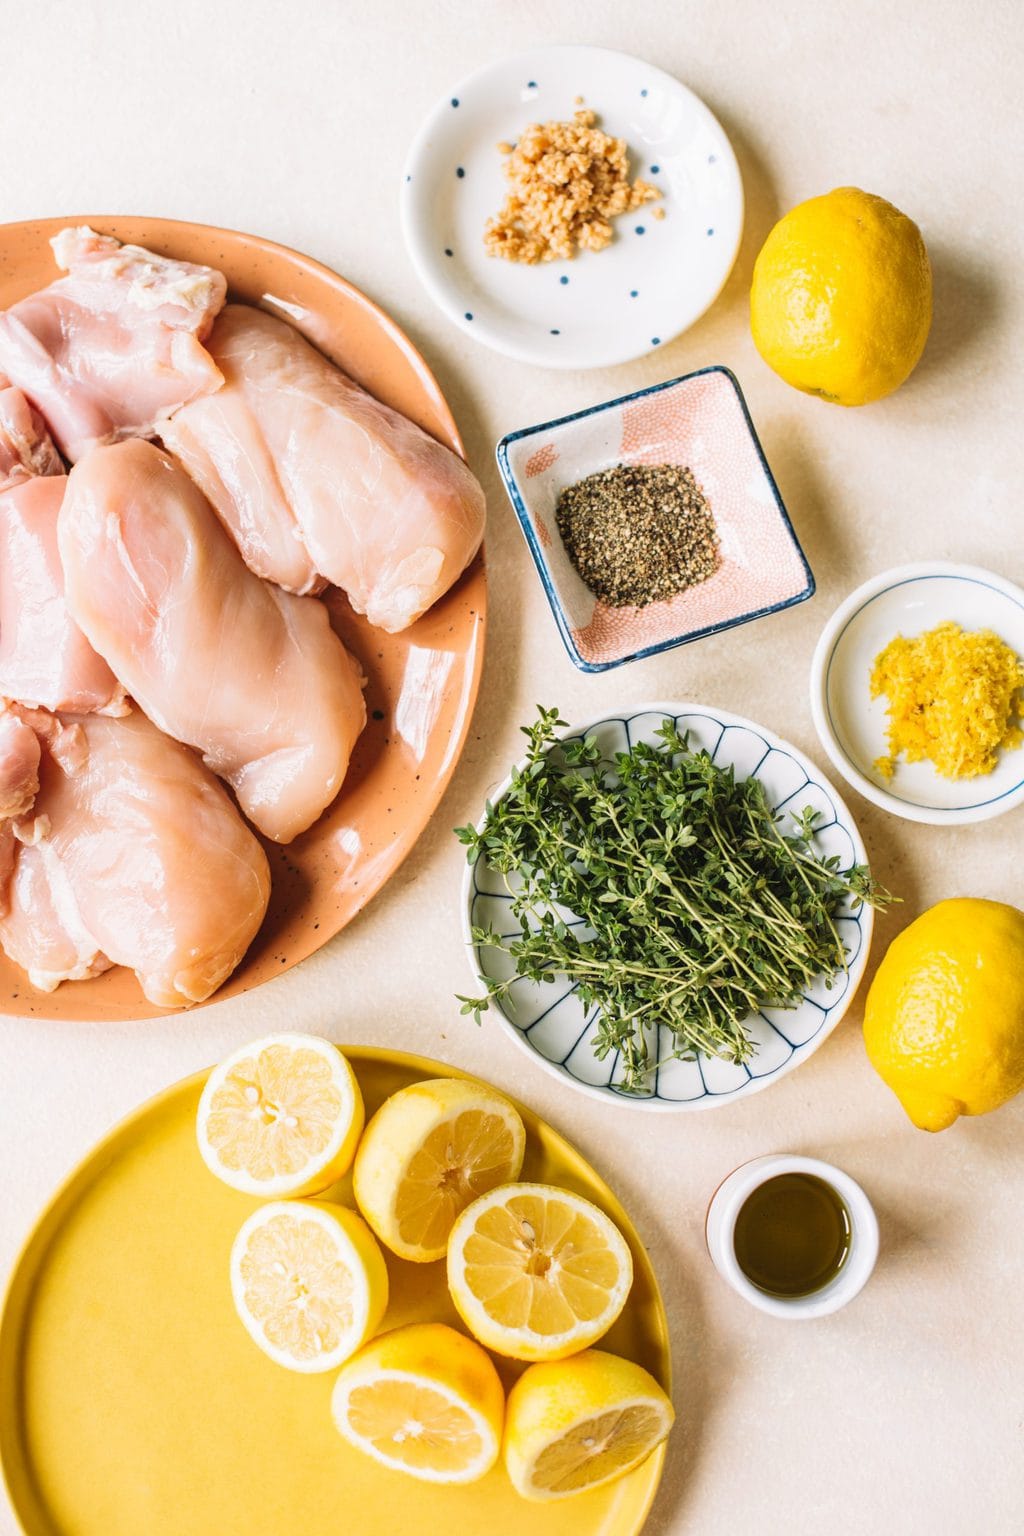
(954, 697)
(567, 181)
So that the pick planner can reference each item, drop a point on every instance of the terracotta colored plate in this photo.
(422, 683)
(132, 1400)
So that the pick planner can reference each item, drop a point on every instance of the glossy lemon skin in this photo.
(549, 1399)
(944, 1019)
(841, 300)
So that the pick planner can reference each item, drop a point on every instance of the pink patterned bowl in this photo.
(700, 421)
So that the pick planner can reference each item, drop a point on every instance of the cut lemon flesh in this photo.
(429, 1151)
(282, 1116)
(309, 1282)
(423, 1400)
(575, 1424)
(536, 1272)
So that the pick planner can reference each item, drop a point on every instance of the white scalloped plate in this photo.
(550, 1022)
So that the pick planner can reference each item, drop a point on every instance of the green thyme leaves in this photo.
(668, 892)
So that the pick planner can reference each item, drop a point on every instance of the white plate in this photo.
(550, 1022)
(655, 278)
(852, 725)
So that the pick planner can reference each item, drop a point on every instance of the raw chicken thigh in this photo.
(26, 448)
(44, 657)
(19, 767)
(107, 350)
(134, 855)
(313, 477)
(251, 676)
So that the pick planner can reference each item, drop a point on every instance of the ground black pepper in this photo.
(638, 533)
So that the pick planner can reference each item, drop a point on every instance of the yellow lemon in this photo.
(574, 1424)
(424, 1400)
(309, 1282)
(841, 302)
(536, 1272)
(944, 1019)
(282, 1116)
(428, 1151)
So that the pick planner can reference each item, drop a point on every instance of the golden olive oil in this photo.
(792, 1235)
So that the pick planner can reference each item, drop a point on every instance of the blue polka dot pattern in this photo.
(710, 231)
(468, 315)
(655, 341)
(556, 333)
(455, 101)
(563, 280)
(655, 169)
(448, 252)
(640, 229)
(633, 292)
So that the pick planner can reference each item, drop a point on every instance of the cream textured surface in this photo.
(906, 1410)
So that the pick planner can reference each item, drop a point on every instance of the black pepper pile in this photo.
(638, 533)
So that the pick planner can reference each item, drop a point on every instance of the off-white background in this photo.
(903, 1413)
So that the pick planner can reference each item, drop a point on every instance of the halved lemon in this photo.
(309, 1282)
(536, 1272)
(424, 1400)
(574, 1424)
(428, 1152)
(282, 1116)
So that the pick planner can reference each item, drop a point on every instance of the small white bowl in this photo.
(720, 1229)
(656, 277)
(852, 726)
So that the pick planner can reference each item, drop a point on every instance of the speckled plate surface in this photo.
(551, 1023)
(657, 276)
(422, 683)
(133, 1403)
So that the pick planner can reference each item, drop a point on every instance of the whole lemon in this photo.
(944, 1020)
(841, 302)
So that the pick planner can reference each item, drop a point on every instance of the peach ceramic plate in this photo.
(133, 1401)
(422, 683)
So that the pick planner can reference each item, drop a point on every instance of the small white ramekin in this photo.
(720, 1230)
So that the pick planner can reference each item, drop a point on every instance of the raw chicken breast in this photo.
(26, 448)
(251, 676)
(134, 855)
(313, 476)
(44, 657)
(114, 345)
(19, 767)
(41, 929)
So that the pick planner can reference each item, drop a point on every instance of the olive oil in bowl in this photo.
(792, 1235)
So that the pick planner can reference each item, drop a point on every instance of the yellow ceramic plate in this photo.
(132, 1401)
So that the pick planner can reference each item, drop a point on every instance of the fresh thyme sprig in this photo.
(689, 905)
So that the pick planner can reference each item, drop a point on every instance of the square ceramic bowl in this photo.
(699, 421)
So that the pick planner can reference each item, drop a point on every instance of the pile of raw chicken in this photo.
(161, 633)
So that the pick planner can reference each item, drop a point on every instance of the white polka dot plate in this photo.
(658, 275)
(550, 1022)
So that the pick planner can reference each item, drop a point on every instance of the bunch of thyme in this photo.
(690, 907)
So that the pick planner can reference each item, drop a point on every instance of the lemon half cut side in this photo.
(281, 1117)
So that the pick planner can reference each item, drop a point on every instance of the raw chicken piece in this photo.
(44, 657)
(134, 855)
(114, 345)
(40, 926)
(19, 767)
(251, 676)
(293, 453)
(26, 448)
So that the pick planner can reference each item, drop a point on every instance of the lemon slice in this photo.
(428, 1152)
(574, 1424)
(537, 1273)
(309, 1282)
(424, 1400)
(282, 1116)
